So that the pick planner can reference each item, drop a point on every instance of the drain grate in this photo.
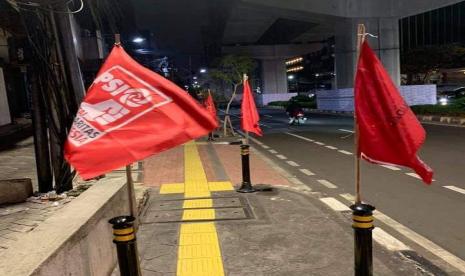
(222, 208)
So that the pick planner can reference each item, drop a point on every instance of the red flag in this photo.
(250, 117)
(210, 105)
(128, 114)
(389, 132)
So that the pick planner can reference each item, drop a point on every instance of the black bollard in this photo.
(246, 186)
(126, 246)
(362, 215)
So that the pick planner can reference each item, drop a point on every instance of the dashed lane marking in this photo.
(319, 143)
(307, 172)
(292, 163)
(393, 168)
(300, 137)
(348, 197)
(264, 146)
(273, 151)
(346, 130)
(422, 241)
(335, 204)
(417, 238)
(280, 156)
(331, 147)
(327, 184)
(416, 176)
(456, 189)
(388, 241)
(269, 116)
(345, 152)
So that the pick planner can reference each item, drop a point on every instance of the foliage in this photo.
(308, 103)
(302, 98)
(456, 108)
(231, 68)
(426, 59)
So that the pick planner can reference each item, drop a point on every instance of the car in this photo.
(447, 93)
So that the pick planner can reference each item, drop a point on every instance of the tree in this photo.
(230, 69)
(425, 60)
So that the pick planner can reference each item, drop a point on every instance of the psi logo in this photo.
(116, 98)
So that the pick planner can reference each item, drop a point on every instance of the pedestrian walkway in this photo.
(201, 226)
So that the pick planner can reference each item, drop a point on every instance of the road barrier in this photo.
(362, 216)
(126, 245)
(246, 186)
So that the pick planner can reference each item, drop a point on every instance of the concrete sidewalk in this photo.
(196, 224)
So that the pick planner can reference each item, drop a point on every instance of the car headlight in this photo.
(443, 101)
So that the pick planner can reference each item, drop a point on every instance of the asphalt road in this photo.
(435, 212)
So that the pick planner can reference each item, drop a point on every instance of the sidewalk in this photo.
(196, 224)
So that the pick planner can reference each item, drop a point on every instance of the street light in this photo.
(203, 70)
(290, 77)
(138, 39)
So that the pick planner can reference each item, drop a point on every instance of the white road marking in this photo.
(422, 241)
(307, 172)
(280, 156)
(265, 146)
(388, 241)
(334, 204)
(348, 197)
(258, 142)
(394, 168)
(327, 184)
(269, 116)
(300, 137)
(456, 189)
(345, 152)
(346, 130)
(272, 151)
(331, 147)
(319, 143)
(416, 176)
(292, 163)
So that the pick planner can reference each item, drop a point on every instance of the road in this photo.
(321, 152)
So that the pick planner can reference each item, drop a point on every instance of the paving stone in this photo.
(20, 228)
(26, 222)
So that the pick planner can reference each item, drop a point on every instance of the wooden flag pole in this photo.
(358, 199)
(245, 77)
(130, 182)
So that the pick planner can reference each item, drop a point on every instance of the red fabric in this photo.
(389, 132)
(210, 105)
(128, 114)
(249, 113)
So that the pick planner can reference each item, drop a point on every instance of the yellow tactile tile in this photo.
(220, 186)
(200, 267)
(203, 227)
(194, 251)
(198, 214)
(197, 203)
(172, 188)
(198, 238)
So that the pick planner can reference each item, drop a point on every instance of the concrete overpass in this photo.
(273, 30)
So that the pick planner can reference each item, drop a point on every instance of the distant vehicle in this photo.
(448, 92)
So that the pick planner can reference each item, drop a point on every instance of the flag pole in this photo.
(245, 77)
(358, 198)
(130, 182)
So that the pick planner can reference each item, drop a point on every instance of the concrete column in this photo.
(386, 46)
(274, 76)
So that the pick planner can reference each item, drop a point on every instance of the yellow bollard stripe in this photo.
(123, 231)
(362, 225)
(362, 219)
(124, 238)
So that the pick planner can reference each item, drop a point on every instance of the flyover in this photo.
(272, 30)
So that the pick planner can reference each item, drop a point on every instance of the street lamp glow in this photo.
(203, 70)
(290, 77)
(138, 39)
